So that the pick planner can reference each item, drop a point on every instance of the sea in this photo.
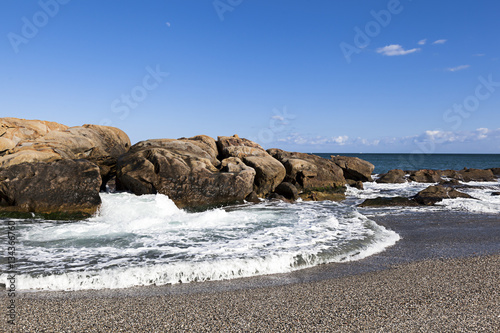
(146, 240)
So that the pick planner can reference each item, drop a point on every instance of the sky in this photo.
(339, 76)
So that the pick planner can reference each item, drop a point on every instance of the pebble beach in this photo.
(403, 289)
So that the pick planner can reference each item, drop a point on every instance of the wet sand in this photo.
(443, 276)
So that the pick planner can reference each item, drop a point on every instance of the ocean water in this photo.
(147, 240)
(386, 162)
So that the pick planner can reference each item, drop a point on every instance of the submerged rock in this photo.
(436, 193)
(389, 202)
(69, 187)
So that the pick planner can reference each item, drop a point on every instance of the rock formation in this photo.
(354, 168)
(69, 187)
(185, 171)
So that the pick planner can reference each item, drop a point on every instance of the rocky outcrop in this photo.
(67, 187)
(496, 171)
(184, 171)
(389, 202)
(287, 190)
(309, 172)
(478, 175)
(38, 141)
(437, 193)
(425, 176)
(354, 168)
(269, 172)
(15, 130)
(394, 176)
(356, 184)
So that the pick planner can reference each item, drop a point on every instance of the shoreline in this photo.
(437, 250)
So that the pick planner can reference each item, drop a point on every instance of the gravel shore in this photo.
(452, 295)
(443, 276)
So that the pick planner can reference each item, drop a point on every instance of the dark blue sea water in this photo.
(386, 162)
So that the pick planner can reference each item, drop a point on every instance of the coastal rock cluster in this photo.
(51, 169)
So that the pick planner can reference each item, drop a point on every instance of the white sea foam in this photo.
(147, 240)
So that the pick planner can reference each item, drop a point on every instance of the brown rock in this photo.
(16, 130)
(39, 141)
(477, 175)
(356, 184)
(269, 172)
(309, 172)
(389, 202)
(354, 168)
(288, 190)
(496, 171)
(394, 176)
(434, 194)
(183, 171)
(61, 187)
(426, 176)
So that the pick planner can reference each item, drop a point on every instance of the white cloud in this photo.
(422, 42)
(395, 50)
(440, 41)
(458, 68)
(479, 55)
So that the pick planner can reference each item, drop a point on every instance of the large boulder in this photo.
(425, 176)
(478, 175)
(184, 171)
(436, 193)
(15, 130)
(496, 171)
(394, 176)
(354, 168)
(269, 171)
(61, 187)
(309, 172)
(50, 142)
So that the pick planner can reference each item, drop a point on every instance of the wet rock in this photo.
(395, 176)
(354, 168)
(434, 194)
(288, 190)
(477, 175)
(389, 202)
(310, 172)
(65, 187)
(183, 171)
(356, 184)
(425, 176)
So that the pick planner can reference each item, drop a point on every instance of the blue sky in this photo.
(322, 76)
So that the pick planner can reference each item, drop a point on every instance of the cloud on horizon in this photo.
(422, 41)
(440, 41)
(395, 50)
(436, 137)
(458, 68)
